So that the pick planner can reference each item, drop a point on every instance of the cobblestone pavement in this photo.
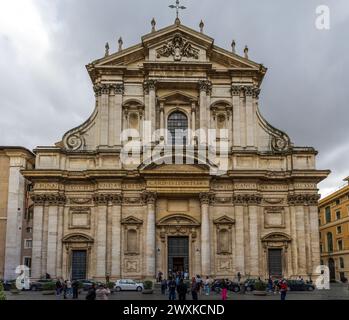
(336, 292)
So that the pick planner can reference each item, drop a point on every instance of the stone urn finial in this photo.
(233, 46)
(201, 26)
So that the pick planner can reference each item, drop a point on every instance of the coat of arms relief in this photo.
(178, 47)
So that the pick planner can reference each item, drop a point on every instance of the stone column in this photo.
(236, 91)
(294, 256)
(101, 201)
(115, 114)
(44, 238)
(116, 236)
(193, 122)
(254, 238)
(162, 121)
(150, 251)
(250, 117)
(15, 209)
(314, 232)
(38, 216)
(102, 91)
(204, 87)
(52, 233)
(150, 92)
(60, 230)
(239, 234)
(205, 235)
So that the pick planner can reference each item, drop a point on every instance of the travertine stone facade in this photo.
(13, 209)
(124, 216)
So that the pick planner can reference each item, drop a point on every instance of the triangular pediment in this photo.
(177, 168)
(176, 44)
(131, 220)
(224, 220)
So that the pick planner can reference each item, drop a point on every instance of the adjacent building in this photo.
(334, 233)
(122, 196)
(16, 228)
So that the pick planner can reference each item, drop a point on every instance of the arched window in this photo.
(177, 126)
(329, 242)
(132, 245)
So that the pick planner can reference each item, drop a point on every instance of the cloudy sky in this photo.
(45, 45)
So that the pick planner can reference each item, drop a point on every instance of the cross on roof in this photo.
(177, 7)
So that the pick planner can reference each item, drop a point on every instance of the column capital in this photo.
(303, 199)
(236, 89)
(205, 85)
(149, 197)
(206, 197)
(116, 199)
(149, 85)
(247, 199)
(101, 199)
(50, 199)
(117, 88)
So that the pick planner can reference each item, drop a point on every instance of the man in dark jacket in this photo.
(75, 286)
(182, 290)
(91, 295)
(172, 289)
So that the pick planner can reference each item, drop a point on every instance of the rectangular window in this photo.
(339, 229)
(340, 245)
(338, 201)
(328, 214)
(28, 243)
(338, 215)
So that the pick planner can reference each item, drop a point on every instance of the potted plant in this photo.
(2, 293)
(48, 288)
(148, 287)
(260, 288)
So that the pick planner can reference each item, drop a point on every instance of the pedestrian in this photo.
(283, 289)
(194, 289)
(75, 286)
(207, 286)
(69, 288)
(224, 290)
(186, 275)
(64, 289)
(59, 287)
(102, 292)
(91, 294)
(270, 284)
(182, 290)
(239, 277)
(163, 286)
(172, 289)
(199, 284)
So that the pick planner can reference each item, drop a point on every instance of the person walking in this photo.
(102, 292)
(270, 284)
(182, 290)
(195, 287)
(172, 289)
(69, 288)
(239, 277)
(163, 286)
(75, 286)
(207, 286)
(283, 289)
(91, 294)
(224, 290)
(59, 287)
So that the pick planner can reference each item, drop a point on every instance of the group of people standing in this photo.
(70, 289)
(67, 288)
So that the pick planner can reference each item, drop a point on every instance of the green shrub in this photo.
(2, 293)
(260, 286)
(148, 284)
(49, 286)
(110, 285)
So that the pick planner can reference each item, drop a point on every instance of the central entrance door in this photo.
(275, 262)
(178, 254)
(79, 264)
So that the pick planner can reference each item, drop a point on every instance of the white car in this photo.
(128, 284)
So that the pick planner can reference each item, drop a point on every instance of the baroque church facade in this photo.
(96, 215)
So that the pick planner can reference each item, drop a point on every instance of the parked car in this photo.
(38, 285)
(86, 284)
(217, 286)
(128, 284)
(299, 285)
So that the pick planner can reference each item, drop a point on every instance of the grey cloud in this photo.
(304, 92)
